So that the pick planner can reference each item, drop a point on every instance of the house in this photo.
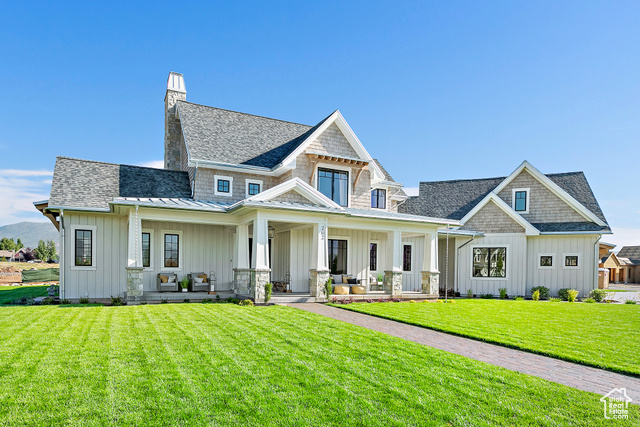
(630, 257)
(6, 255)
(250, 199)
(524, 230)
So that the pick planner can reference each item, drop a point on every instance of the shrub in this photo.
(184, 283)
(451, 301)
(217, 297)
(469, 293)
(630, 301)
(589, 300)
(486, 296)
(65, 301)
(47, 301)
(535, 295)
(555, 299)
(328, 288)
(503, 293)
(164, 301)
(519, 299)
(439, 300)
(369, 300)
(572, 295)
(232, 300)
(117, 301)
(246, 302)
(598, 295)
(22, 301)
(412, 301)
(563, 294)
(268, 290)
(83, 300)
(544, 292)
(207, 301)
(186, 300)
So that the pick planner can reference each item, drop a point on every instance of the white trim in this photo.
(387, 199)
(554, 260)
(252, 181)
(180, 251)
(526, 200)
(507, 269)
(300, 187)
(94, 231)
(403, 244)
(378, 248)
(330, 166)
(215, 185)
(530, 230)
(564, 260)
(544, 180)
(151, 249)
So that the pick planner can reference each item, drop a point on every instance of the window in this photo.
(253, 187)
(373, 256)
(571, 261)
(406, 257)
(379, 199)
(520, 200)
(489, 262)
(172, 250)
(546, 261)
(338, 256)
(84, 248)
(223, 185)
(146, 249)
(335, 185)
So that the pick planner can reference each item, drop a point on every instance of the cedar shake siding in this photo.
(492, 219)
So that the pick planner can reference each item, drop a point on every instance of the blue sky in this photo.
(436, 90)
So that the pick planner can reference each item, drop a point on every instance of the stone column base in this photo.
(430, 282)
(259, 278)
(318, 280)
(241, 281)
(135, 284)
(393, 282)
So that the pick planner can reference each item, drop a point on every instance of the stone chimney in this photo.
(176, 91)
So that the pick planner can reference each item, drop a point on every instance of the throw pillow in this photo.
(163, 278)
(204, 277)
(172, 279)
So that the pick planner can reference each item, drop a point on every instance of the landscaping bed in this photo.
(601, 335)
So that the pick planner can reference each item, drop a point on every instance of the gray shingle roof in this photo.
(387, 177)
(454, 199)
(218, 135)
(90, 184)
(631, 252)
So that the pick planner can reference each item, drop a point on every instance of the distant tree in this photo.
(7, 244)
(19, 244)
(52, 251)
(29, 254)
(41, 251)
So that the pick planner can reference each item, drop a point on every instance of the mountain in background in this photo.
(31, 233)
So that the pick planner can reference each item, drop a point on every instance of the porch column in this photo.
(393, 272)
(319, 271)
(430, 273)
(260, 273)
(241, 273)
(134, 288)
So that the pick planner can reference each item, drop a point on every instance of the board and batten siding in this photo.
(280, 255)
(300, 258)
(515, 282)
(109, 278)
(442, 261)
(583, 278)
(205, 248)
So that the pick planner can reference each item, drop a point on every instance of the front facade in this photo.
(528, 230)
(244, 199)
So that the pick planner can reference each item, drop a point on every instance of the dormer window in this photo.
(253, 186)
(378, 198)
(223, 185)
(521, 200)
(335, 185)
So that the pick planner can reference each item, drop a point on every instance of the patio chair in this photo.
(194, 286)
(167, 282)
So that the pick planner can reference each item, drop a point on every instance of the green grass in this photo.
(602, 335)
(212, 364)
(10, 293)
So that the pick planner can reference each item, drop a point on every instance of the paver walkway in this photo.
(571, 374)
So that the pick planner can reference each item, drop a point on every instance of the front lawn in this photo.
(211, 364)
(602, 335)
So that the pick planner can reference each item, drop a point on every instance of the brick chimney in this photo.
(176, 91)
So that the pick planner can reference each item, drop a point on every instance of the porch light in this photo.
(272, 232)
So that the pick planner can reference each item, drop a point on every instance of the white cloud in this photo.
(411, 191)
(158, 164)
(20, 172)
(18, 190)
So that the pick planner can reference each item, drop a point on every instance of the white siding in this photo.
(300, 246)
(442, 261)
(581, 278)
(280, 255)
(109, 277)
(515, 281)
(413, 281)
(357, 250)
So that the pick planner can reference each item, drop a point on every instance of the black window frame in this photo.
(83, 239)
(146, 252)
(249, 186)
(523, 199)
(378, 195)
(226, 186)
(407, 256)
(334, 248)
(373, 256)
(171, 250)
(550, 259)
(487, 263)
(334, 180)
(566, 261)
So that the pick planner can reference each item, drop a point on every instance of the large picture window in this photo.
(84, 248)
(171, 250)
(378, 199)
(338, 256)
(373, 256)
(490, 262)
(335, 185)
(146, 249)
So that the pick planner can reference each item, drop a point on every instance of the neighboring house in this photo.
(250, 198)
(630, 257)
(6, 255)
(528, 229)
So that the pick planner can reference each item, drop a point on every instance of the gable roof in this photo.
(300, 187)
(92, 185)
(630, 252)
(493, 197)
(224, 136)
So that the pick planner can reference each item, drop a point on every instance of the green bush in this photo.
(486, 296)
(246, 302)
(469, 293)
(233, 300)
(117, 301)
(519, 299)
(83, 300)
(563, 294)
(503, 293)
(598, 295)
(65, 301)
(589, 300)
(630, 301)
(328, 288)
(164, 301)
(186, 300)
(572, 295)
(535, 295)
(543, 292)
(555, 299)
(268, 290)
